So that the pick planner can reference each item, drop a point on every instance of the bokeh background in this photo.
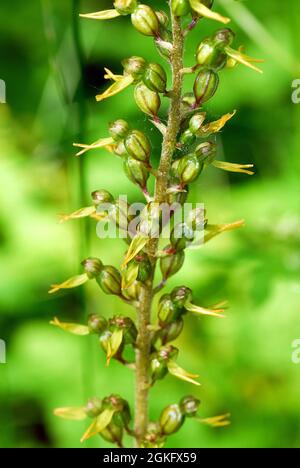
(53, 67)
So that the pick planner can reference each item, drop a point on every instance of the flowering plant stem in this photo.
(144, 311)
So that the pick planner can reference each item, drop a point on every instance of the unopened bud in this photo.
(223, 37)
(125, 7)
(171, 264)
(155, 78)
(148, 101)
(171, 331)
(96, 323)
(206, 152)
(171, 419)
(180, 7)
(134, 66)
(136, 171)
(133, 292)
(102, 196)
(167, 310)
(145, 20)
(118, 129)
(110, 280)
(162, 18)
(189, 405)
(209, 55)
(138, 146)
(205, 85)
(187, 138)
(92, 267)
(187, 168)
(181, 295)
(196, 122)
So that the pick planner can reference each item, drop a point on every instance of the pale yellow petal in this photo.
(116, 88)
(233, 167)
(82, 213)
(102, 143)
(182, 374)
(137, 244)
(202, 10)
(73, 282)
(74, 328)
(98, 425)
(72, 413)
(241, 58)
(101, 15)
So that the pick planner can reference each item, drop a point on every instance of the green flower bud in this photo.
(136, 171)
(92, 266)
(162, 18)
(180, 235)
(187, 138)
(153, 437)
(148, 101)
(171, 264)
(171, 331)
(196, 122)
(167, 310)
(205, 85)
(113, 433)
(155, 78)
(125, 7)
(133, 292)
(189, 405)
(181, 295)
(145, 268)
(223, 37)
(93, 407)
(96, 323)
(180, 7)
(158, 369)
(164, 43)
(109, 280)
(134, 66)
(206, 152)
(210, 56)
(187, 168)
(138, 146)
(171, 419)
(118, 129)
(102, 196)
(145, 20)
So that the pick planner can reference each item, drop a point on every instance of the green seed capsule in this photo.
(133, 292)
(110, 280)
(196, 122)
(136, 171)
(163, 43)
(92, 266)
(209, 55)
(206, 152)
(155, 78)
(144, 267)
(180, 235)
(167, 311)
(223, 37)
(171, 419)
(145, 20)
(187, 168)
(125, 7)
(93, 407)
(118, 129)
(158, 369)
(102, 196)
(205, 85)
(171, 331)
(138, 146)
(134, 66)
(96, 323)
(171, 264)
(181, 295)
(189, 405)
(148, 101)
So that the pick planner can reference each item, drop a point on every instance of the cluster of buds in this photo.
(186, 152)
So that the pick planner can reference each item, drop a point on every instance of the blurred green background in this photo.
(244, 361)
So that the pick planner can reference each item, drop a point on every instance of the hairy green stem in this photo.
(144, 312)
